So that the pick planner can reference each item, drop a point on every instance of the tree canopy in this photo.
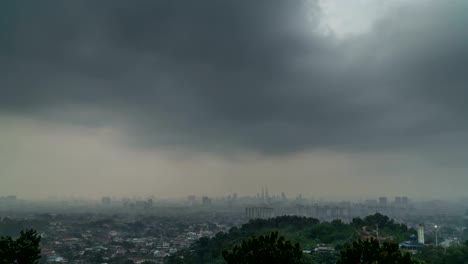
(310, 233)
(369, 251)
(23, 250)
(264, 249)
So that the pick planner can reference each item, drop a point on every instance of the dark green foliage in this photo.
(377, 219)
(323, 258)
(336, 231)
(308, 232)
(24, 250)
(209, 250)
(455, 254)
(370, 251)
(7, 250)
(264, 249)
(431, 255)
(387, 227)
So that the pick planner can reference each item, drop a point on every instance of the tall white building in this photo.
(421, 234)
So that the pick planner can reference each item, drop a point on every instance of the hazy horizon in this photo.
(328, 98)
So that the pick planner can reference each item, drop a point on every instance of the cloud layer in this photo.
(242, 76)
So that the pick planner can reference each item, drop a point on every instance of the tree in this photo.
(264, 249)
(7, 250)
(370, 251)
(23, 250)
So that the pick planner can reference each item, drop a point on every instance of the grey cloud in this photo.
(224, 75)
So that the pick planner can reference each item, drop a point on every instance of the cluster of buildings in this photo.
(401, 208)
(143, 230)
(94, 238)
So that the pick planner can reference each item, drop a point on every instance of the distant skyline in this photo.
(328, 98)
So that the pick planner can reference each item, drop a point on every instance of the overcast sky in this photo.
(354, 98)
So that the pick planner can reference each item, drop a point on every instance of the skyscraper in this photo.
(421, 234)
(382, 200)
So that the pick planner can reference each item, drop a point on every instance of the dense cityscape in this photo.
(149, 231)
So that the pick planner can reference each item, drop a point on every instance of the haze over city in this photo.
(325, 98)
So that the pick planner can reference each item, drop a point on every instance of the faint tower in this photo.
(398, 200)
(383, 201)
(191, 199)
(206, 201)
(283, 197)
(404, 200)
(465, 232)
(421, 234)
(106, 200)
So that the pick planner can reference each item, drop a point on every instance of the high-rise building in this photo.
(191, 199)
(106, 200)
(465, 231)
(421, 234)
(259, 212)
(371, 202)
(382, 200)
(398, 200)
(404, 200)
(206, 201)
(283, 197)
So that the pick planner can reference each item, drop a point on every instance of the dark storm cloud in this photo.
(237, 74)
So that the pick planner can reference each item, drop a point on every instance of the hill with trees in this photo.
(267, 249)
(308, 232)
(370, 251)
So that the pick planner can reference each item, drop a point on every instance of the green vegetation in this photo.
(308, 232)
(268, 249)
(455, 254)
(370, 251)
(352, 239)
(388, 229)
(23, 250)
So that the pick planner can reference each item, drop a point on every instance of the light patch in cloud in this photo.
(349, 18)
